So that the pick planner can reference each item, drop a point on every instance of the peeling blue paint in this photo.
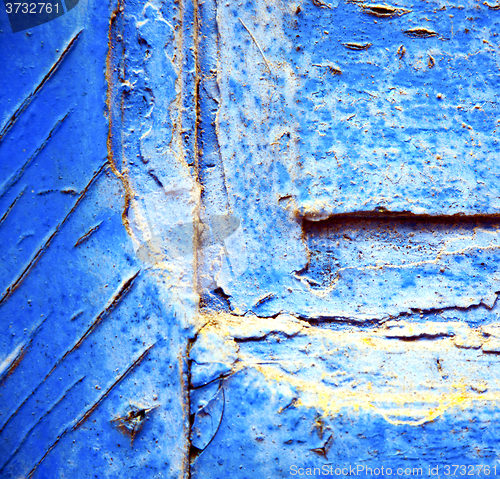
(247, 240)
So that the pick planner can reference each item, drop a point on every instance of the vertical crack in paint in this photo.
(113, 145)
(196, 231)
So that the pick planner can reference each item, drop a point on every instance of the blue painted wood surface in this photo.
(254, 239)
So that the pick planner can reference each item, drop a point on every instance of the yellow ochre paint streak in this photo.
(332, 400)
(405, 401)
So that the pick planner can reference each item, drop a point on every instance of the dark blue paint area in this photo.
(81, 322)
(50, 160)
(89, 333)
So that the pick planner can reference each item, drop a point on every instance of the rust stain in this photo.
(357, 46)
(401, 52)
(86, 236)
(332, 68)
(10, 364)
(112, 143)
(420, 32)
(133, 420)
(319, 3)
(492, 6)
(384, 11)
(13, 361)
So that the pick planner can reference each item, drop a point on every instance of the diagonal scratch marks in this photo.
(15, 358)
(23, 440)
(9, 209)
(103, 396)
(258, 46)
(32, 95)
(84, 238)
(17, 175)
(111, 305)
(89, 411)
(44, 247)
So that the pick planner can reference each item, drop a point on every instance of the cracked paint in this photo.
(276, 241)
(409, 374)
